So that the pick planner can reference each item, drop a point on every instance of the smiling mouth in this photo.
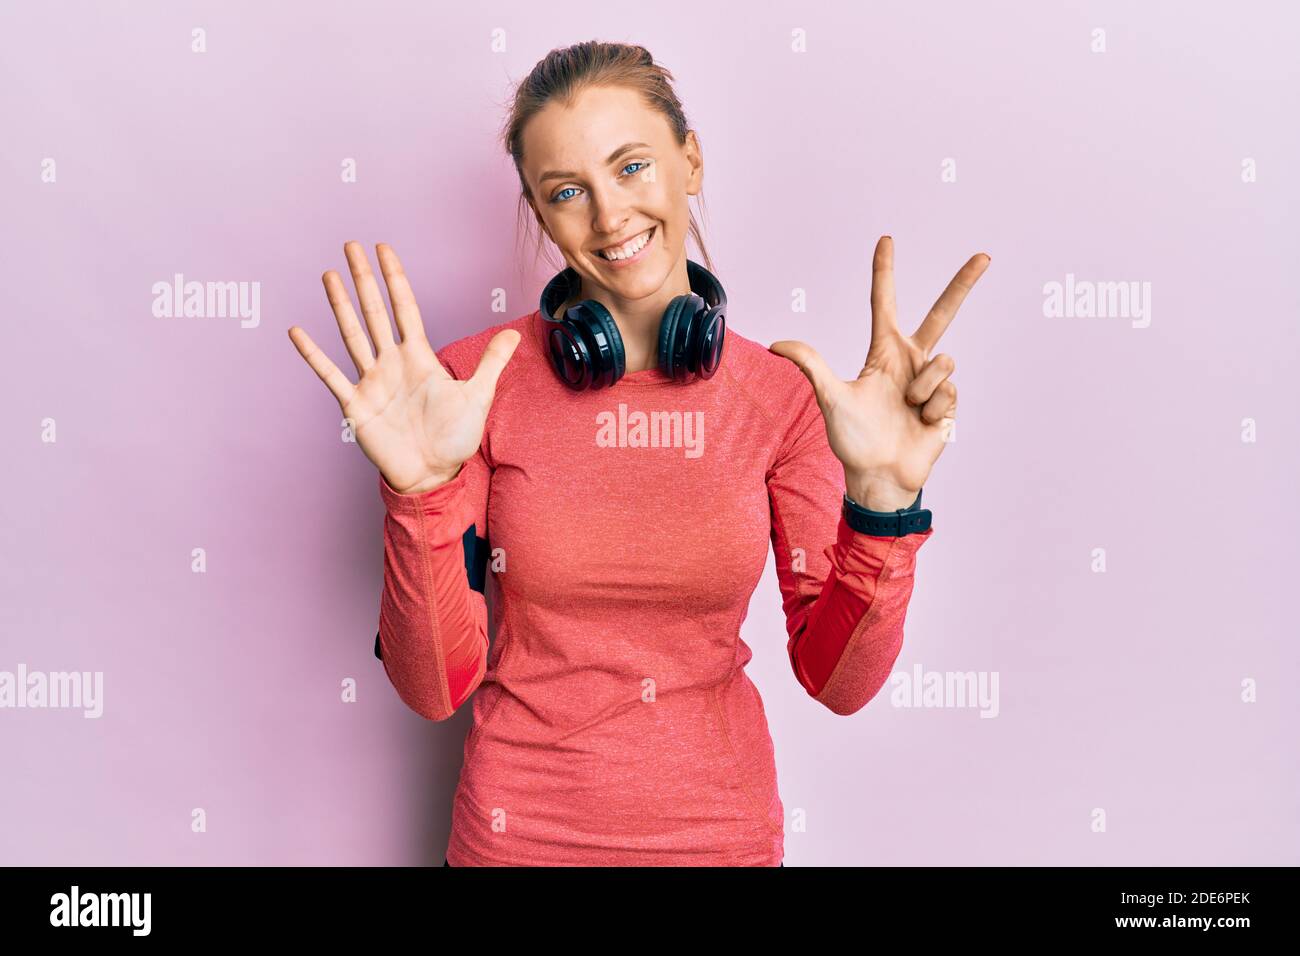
(629, 251)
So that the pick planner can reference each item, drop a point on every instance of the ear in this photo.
(695, 158)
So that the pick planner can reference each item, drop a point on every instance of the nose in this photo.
(609, 216)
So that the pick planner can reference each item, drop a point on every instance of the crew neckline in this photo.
(646, 376)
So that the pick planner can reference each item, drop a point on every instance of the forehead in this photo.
(581, 136)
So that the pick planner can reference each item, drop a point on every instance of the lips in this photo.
(650, 235)
(647, 233)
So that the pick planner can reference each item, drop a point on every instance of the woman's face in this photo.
(589, 193)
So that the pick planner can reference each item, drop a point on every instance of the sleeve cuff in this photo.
(857, 553)
(432, 501)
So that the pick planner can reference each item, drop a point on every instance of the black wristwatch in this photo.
(910, 520)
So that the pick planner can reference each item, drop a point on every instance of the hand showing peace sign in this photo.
(888, 426)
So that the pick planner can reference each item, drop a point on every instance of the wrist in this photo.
(878, 494)
(428, 483)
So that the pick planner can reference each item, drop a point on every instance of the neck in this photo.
(637, 319)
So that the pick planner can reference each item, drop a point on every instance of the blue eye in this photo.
(636, 162)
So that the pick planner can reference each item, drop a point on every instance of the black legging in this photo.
(445, 863)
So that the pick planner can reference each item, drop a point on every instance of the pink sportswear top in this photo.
(614, 722)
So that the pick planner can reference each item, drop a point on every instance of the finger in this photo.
(354, 340)
(320, 363)
(493, 361)
(368, 294)
(884, 311)
(812, 365)
(405, 311)
(945, 307)
(932, 373)
(942, 404)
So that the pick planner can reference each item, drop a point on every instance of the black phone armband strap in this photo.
(476, 558)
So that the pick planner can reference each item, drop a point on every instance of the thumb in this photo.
(493, 361)
(812, 365)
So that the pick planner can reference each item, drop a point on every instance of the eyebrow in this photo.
(564, 174)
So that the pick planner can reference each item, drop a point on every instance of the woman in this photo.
(615, 724)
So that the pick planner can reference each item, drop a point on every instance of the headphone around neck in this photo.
(586, 349)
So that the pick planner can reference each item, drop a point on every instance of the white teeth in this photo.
(630, 248)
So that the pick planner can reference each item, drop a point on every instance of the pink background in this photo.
(1119, 690)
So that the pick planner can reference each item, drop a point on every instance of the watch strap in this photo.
(910, 520)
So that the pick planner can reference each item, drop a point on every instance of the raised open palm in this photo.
(889, 425)
(411, 418)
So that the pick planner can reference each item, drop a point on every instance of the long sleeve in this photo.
(844, 602)
(433, 626)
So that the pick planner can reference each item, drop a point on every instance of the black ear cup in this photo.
(681, 334)
(708, 343)
(586, 350)
(674, 332)
(691, 337)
